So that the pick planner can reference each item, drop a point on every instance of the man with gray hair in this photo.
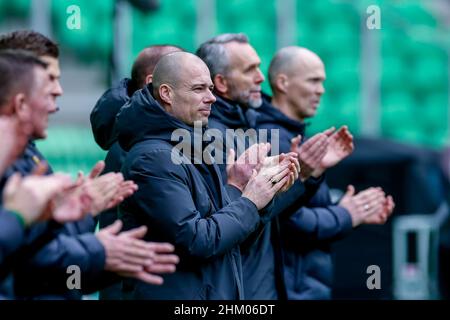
(186, 203)
(237, 78)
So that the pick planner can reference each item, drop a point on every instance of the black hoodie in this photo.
(184, 204)
(103, 116)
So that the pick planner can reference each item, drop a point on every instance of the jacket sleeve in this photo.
(165, 200)
(11, 234)
(319, 220)
(46, 266)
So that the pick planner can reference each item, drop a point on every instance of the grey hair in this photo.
(213, 52)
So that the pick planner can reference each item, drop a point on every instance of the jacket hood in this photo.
(143, 118)
(268, 115)
(103, 116)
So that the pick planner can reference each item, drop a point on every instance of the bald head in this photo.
(182, 85)
(292, 60)
(296, 76)
(143, 66)
(175, 68)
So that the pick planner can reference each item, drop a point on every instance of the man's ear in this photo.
(165, 94)
(281, 83)
(220, 84)
(21, 108)
(148, 79)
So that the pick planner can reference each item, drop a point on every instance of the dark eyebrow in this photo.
(202, 85)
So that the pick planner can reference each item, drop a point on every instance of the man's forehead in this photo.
(308, 66)
(197, 74)
(242, 53)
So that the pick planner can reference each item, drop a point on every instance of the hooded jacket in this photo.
(103, 119)
(103, 116)
(308, 233)
(181, 203)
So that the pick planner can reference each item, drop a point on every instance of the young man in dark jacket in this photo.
(296, 76)
(181, 196)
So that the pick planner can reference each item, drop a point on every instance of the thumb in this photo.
(80, 178)
(295, 142)
(350, 191)
(114, 228)
(230, 158)
(97, 169)
(254, 174)
(136, 233)
(11, 185)
(329, 131)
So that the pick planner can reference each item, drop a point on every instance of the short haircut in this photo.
(146, 61)
(214, 54)
(171, 68)
(29, 40)
(16, 70)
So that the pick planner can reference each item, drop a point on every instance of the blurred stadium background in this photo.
(387, 85)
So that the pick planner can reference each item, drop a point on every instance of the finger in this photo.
(263, 151)
(161, 268)
(114, 228)
(329, 131)
(350, 191)
(279, 185)
(163, 247)
(127, 268)
(80, 178)
(230, 159)
(12, 185)
(136, 233)
(97, 169)
(295, 142)
(146, 277)
(166, 258)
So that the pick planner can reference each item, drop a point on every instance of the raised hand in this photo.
(340, 146)
(265, 184)
(369, 206)
(129, 256)
(311, 152)
(240, 171)
(30, 196)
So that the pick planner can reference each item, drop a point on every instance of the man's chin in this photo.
(255, 103)
(40, 136)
